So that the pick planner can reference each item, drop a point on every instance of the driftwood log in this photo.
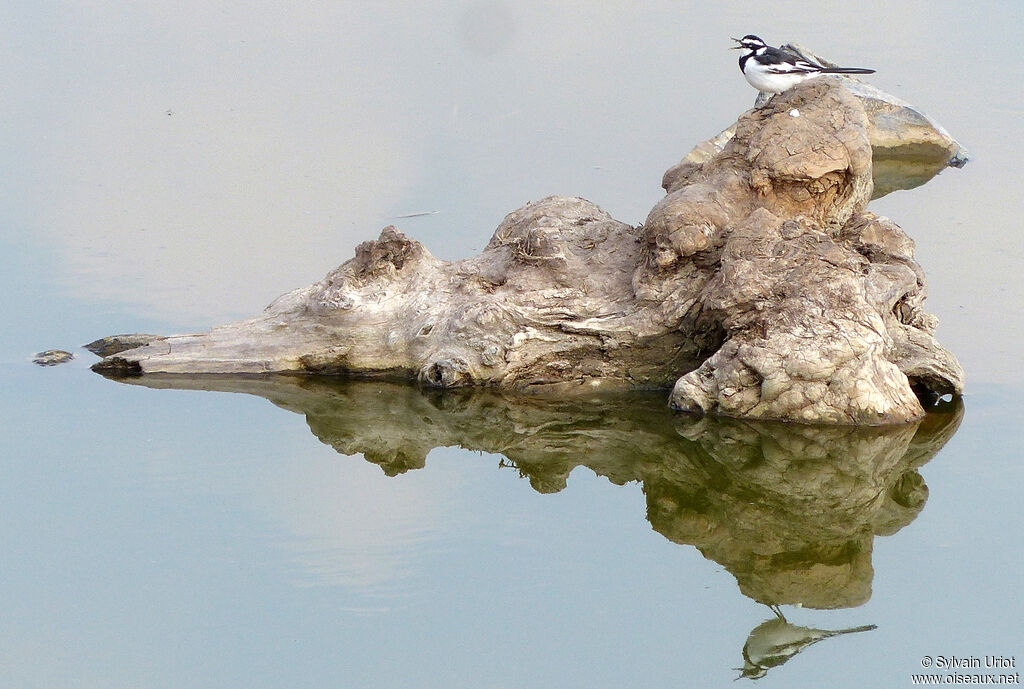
(759, 287)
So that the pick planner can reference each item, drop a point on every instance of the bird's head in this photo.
(750, 671)
(749, 42)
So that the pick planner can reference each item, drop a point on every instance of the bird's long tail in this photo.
(846, 70)
(854, 630)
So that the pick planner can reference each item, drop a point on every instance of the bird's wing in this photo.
(784, 62)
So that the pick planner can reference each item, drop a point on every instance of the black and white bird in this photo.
(775, 641)
(774, 70)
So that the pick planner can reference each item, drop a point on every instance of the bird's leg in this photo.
(778, 612)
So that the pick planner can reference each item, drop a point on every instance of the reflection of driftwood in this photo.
(790, 510)
(759, 286)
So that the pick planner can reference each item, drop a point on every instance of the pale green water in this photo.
(174, 538)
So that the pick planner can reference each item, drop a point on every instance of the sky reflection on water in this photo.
(170, 167)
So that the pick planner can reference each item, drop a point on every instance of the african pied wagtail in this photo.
(772, 643)
(774, 70)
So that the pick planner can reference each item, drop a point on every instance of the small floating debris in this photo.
(52, 357)
(415, 215)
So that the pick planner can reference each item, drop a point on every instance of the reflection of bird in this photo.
(775, 641)
(775, 69)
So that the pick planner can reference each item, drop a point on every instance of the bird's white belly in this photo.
(775, 83)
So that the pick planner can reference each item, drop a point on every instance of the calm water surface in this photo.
(172, 166)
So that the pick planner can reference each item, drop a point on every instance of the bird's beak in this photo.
(735, 47)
